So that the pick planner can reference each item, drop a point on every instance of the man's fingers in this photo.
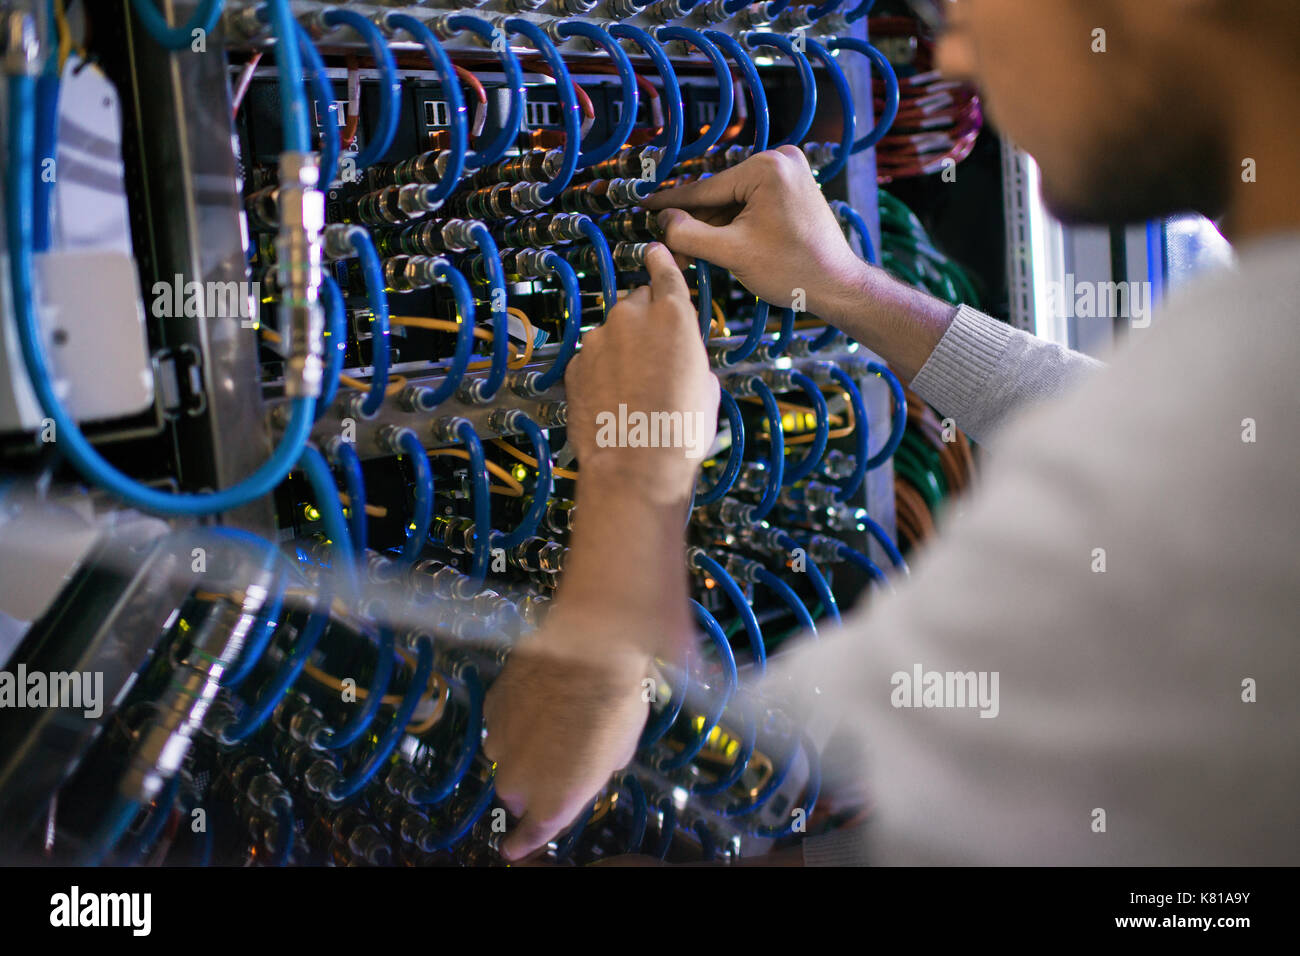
(731, 187)
(688, 236)
(666, 280)
(530, 833)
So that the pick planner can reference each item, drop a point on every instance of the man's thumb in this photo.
(687, 236)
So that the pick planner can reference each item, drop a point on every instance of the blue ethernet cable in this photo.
(569, 107)
(812, 789)
(390, 87)
(532, 518)
(256, 713)
(470, 744)
(849, 486)
(667, 825)
(789, 598)
(805, 465)
(670, 140)
(361, 718)
(204, 18)
(726, 93)
(156, 820)
(753, 338)
(346, 457)
(853, 219)
(808, 82)
(857, 558)
(372, 271)
(481, 236)
(572, 319)
(418, 528)
(886, 70)
(660, 721)
(73, 444)
(718, 702)
(327, 109)
(456, 832)
(898, 422)
(627, 89)
(822, 9)
(784, 337)
(860, 11)
(604, 261)
(331, 509)
(704, 293)
(753, 82)
(757, 800)
(480, 493)
(886, 542)
(741, 603)
(509, 129)
(450, 84)
(268, 619)
(848, 109)
(640, 812)
(735, 454)
(776, 451)
(815, 577)
(112, 827)
(351, 785)
(293, 96)
(444, 273)
(336, 342)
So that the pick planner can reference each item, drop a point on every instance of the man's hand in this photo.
(767, 222)
(569, 706)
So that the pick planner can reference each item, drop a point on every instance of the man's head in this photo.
(1131, 107)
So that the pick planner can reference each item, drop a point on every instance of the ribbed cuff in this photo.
(838, 848)
(960, 365)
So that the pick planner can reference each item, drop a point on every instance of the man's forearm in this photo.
(901, 324)
(642, 607)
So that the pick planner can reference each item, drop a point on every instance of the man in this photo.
(1128, 567)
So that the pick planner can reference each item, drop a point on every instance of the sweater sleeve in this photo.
(983, 370)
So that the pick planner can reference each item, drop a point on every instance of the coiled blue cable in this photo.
(667, 825)
(726, 92)
(390, 87)
(853, 219)
(753, 83)
(719, 700)
(458, 119)
(860, 11)
(327, 109)
(753, 338)
(808, 83)
(331, 510)
(295, 128)
(256, 713)
(422, 514)
(569, 107)
(757, 800)
(336, 342)
(627, 89)
(670, 140)
(741, 603)
(464, 296)
(572, 319)
(805, 465)
(532, 518)
(704, 293)
(481, 495)
(735, 454)
(454, 834)
(788, 596)
(481, 236)
(815, 576)
(784, 337)
(509, 129)
(350, 785)
(898, 421)
(346, 735)
(886, 542)
(848, 487)
(886, 70)
(848, 109)
(822, 9)
(776, 451)
(204, 18)
(857, 558)
(470, 744)
(372, 271)
(72, 443)
(260, 639)
(812, 789)
(113, 825)
(346, 457)
(658, 725)
(604, 261)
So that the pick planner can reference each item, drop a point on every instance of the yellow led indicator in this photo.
(311, 513)
(520, 472)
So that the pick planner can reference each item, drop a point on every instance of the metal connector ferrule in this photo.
(301, 208)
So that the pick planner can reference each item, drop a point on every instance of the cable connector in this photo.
(447, 430)
(22, 48)
(298, 272)
(336, 240)
(524, 383)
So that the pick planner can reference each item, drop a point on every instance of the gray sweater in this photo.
(1129, 569)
